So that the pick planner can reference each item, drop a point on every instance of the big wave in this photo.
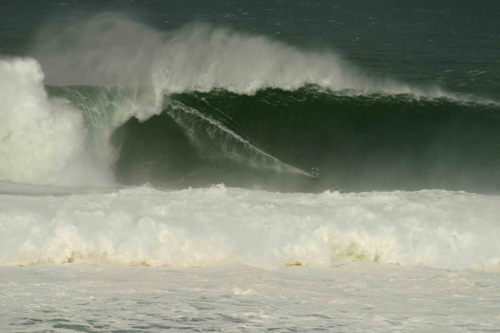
(140, 66)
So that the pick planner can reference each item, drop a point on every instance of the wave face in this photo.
(201, 227)
(359, 142)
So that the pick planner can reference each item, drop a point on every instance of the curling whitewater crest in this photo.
(143, 226)
(42, 140)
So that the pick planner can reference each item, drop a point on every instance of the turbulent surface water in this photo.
(179, 137)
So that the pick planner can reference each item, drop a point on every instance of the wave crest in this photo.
(110, 49)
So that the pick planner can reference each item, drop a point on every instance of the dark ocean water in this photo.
(247, 97)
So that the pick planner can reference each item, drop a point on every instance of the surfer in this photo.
(315, 171)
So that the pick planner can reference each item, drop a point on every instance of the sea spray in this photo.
(112, 50)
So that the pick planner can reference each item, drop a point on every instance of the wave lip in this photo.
(187, 228)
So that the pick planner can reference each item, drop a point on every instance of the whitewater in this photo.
(83, 251)
(204, 227)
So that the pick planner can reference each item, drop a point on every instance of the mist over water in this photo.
(111, 49)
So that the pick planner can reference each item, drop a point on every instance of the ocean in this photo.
(156, 157)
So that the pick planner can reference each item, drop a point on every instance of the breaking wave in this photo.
(241, 109)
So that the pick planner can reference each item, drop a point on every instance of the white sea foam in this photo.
(200, 227)
(41, 140)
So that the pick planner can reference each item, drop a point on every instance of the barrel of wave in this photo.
(42, 140)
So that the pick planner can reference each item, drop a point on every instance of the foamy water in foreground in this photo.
(235, 259)
(356, 297)
(208, 226)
